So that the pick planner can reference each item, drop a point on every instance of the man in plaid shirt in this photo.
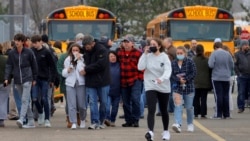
(131, 82)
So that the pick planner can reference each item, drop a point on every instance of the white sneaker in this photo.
(40, 119)
(190, 128)
(73, 127)
(19, 123)
(47, 123)
(30, 124)
(101, 126)
(82, 125)
(149, 136)
(176, 127)
(93, 126)
(165, 135)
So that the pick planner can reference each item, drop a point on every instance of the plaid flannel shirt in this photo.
(128, 64)
(188, 70)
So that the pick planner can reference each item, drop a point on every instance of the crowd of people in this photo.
(89, 74)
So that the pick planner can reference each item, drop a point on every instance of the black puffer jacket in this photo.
(23, 66)
(97, 66)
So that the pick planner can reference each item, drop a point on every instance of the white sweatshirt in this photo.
(156, 67)
(74, 74)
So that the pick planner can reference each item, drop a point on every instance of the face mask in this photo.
(153, 49)
(180, 57)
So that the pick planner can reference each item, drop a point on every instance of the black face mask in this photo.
(153, 49)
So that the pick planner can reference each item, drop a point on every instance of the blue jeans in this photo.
(142, 102)
(95, 94)
(188, 104)
(131, 102)
(113, 104)
(171, 101)
(243, 90)
(41, 88)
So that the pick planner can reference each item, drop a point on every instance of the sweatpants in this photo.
(76, 99)
(221, 94)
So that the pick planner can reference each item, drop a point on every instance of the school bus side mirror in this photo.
(119, 30)
(42, 27)
(238, 30)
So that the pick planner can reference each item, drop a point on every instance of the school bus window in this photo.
(63, 28)
(199, 30)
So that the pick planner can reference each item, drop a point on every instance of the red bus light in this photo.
(225, 16)
(56, 16)
(175, 15)
(106, 16)
(61, 16)
(101, 16)
(178, 15)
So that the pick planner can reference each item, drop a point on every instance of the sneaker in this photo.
(101, 126)
(19, 123)
(214, 117)
(82, 125)
(240, 111)
(158, 114)
(93, 126)
(40, 119)
(107, 122)
(149, 136)
(136, 124)
(2, 123)
(190, 128)
(112, 124)
(30, 124)
(127, 125)
(165, 135)
(73, 127)
(176, 127)
(47, 123)
(121, 116)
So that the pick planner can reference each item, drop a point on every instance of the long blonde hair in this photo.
(6, 46)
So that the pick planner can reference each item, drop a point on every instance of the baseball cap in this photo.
(217, 40)
(129, 38)
(79, 36)
(243, 42)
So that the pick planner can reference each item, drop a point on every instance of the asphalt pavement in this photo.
(235, 129)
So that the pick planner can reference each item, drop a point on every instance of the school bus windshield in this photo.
(66, 30)
(201, 30)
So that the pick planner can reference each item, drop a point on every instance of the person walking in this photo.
(221, 63)
(45, 79)
(131, 82)
(75, 85)
(22, 64)
(4, 89)
(60, 67)
(242, 69)
(171, 52)
(202, 82)
(157, 71)
(97, 79)
(183, 74)
(115, 90)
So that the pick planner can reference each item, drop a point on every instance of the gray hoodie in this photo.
(222, 64)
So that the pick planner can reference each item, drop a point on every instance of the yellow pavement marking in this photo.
(206, 130)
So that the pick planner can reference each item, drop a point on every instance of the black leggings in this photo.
(152, 98)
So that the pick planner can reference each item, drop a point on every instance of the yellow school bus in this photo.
(202, 23)
(63, 24)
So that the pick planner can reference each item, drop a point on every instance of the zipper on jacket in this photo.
(20, 68)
